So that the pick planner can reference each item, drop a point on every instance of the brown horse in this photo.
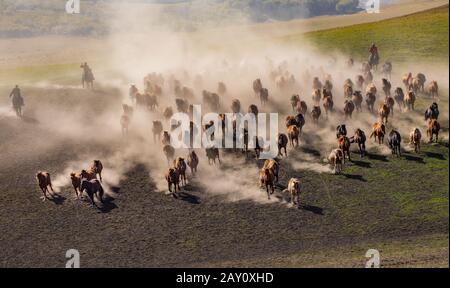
(266, 179)
(212, 153)
(293, 134)
(294, 188)
(390, 102)
(348, 108)
(328, 105)
(173, 178)
(282, 144)
(348, 90)
(357, 99)
(273, 166)
(370, 100)
(44, 182)
(378, 131)
(125, 123)
(414, 138)
(433, 129)
(97, 168)
(360, 139)
(169, 152)
(432, 89)
(192, 161)
(157, 130)
(316, 95)
(344, 145)
(257, 86)
(76, 183)
(383, 112)
(180, 165)
(410, 99)
(315, 114)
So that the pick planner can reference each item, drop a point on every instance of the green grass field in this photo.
(418, 36)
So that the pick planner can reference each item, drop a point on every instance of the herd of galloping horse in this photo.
(361, 89)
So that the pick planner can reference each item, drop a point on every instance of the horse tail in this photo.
(281, 173)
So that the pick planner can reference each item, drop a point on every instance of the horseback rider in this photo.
(374, 57)
(87, 75)
(15, 92)
(17, 100)
(132, 92)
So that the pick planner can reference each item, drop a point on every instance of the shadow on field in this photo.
(192, 199)
(30, 120)
(361, 163)
(435, 155)
(377, 157)
(354, 177)
(414, 158)
(107, 205)
(313, 209)
(57, 199)
(312, 151)
(115, 189)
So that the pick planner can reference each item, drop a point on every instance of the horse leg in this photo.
(91, 196)
(100, 194)
(43, 192)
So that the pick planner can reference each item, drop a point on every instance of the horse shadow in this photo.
(414, 158)
(377, 157)
(107, 205)
(57, 198)
(311, 208)
(30, 120)
(310, 151)
(361, 163)
(355, 177)
(435, 155)
(115, 189)
(184, 196)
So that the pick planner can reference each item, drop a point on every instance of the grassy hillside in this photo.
(49, 17)
(422, 35)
